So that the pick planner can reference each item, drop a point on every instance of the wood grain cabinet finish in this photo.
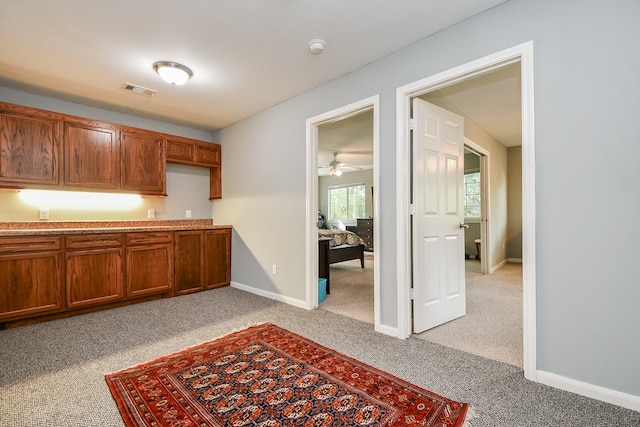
(143, 166)
(217, 258)
(192, 152)
(180, 151)
(94, 269)
(189, 256)
(29, 147)
(91, 156)
(207, 154)
(40, 148)
(30, 277)
(149, 263)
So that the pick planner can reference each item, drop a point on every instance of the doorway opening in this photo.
(326, 136)
(522, 54)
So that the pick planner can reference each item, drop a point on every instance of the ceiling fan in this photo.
(337, 166)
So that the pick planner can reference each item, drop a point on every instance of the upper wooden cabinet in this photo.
(29, 147)
(143, 168)
(40, 148)
(192, 152)
(197, 153)
(91, 156)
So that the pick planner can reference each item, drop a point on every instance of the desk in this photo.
(323, 261)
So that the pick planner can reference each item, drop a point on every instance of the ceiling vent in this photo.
(139, 89)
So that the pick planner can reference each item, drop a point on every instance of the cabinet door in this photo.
(189, 254)
(29, 150)
(149, 270)
(143, 167)
(149, 264)
(92, 156)
(30, 284)
(94, 277)
(207, 154)
(180, 151)
(217, 254)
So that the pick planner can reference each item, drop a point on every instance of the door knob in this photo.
(463, 225)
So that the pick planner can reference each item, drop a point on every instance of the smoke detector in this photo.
(316, 46)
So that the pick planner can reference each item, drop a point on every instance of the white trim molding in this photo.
(589, 390)
(371, 103)
(271, 295)
(522, 53)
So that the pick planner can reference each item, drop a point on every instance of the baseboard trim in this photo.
(515, 260)
(614, 397)
(498, 266)
(387, 330)
(270, 295)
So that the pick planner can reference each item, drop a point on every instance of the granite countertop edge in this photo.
(20, 228)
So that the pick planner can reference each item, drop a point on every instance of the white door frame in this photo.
(524, 54)
(485, 200)
(372, 103)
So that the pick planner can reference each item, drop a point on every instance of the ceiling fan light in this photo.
(172, 72)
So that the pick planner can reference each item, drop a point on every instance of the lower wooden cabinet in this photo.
(189, 268)
(203, 260)
(217, 258)
(46, 277)
(149, 267)
(94, 269)
(30, 277)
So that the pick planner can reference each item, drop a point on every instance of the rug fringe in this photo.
(469, 417)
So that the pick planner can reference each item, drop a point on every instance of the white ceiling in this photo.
(246, 55)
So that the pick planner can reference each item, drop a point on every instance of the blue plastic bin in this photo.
(322, 289)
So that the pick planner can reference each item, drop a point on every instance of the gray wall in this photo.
(586, 61)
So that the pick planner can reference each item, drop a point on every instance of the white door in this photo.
(438, 237)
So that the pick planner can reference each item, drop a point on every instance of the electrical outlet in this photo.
(44, 213)
(274, 269)
(151, 214)
(188, 213)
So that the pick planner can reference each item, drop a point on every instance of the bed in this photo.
(343, 246)
(337, 246)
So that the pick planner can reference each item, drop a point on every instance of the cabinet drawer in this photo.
(93, 241)
(28, 244)
(136, 239)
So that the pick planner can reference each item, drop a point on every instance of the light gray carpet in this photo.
(492, 326)
(52, 374)
(351, 290)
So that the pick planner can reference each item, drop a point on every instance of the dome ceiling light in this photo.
(172, 72)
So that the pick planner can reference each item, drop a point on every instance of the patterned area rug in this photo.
(266, 376)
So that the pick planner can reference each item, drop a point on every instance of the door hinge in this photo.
(412, 124)
(412, 294)
(412, 209)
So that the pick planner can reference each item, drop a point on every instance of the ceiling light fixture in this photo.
(316, 46)
(172, 72)
(335, 171)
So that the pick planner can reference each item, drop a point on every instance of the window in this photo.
(346, 202)
(472, 195)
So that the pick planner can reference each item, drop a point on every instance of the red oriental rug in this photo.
(266, 376)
